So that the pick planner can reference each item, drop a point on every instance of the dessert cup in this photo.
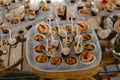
(56, 60)
(41, 59)
(86, 61)
(71, 60)
(89, 46)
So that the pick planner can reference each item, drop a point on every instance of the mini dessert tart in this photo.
(104, 2)
(55, 29)
(110, 7)
(68, 27)
(88, 5)
(86, 58)
(40, 48)
(45, 8)
(51, 50)
(89, 47)
(78, 49)
(70, 60)
(82, 26)
(1, 2)
(14, 21)
(41, 58)
(87, 37)
(100, 8)
(43, 28)
(38, 37)
(83, 11)
(94, 11)
(67, 42)
(57, 60)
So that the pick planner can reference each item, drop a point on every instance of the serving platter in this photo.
(63, 67)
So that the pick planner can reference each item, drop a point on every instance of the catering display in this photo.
(60, 47)
(15, 14)
(54, 43)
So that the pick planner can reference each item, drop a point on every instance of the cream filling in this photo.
(65, 51)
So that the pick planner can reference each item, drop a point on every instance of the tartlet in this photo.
(40, 48)
(14, 21)
(55, 29)
(41, 58)
(70, 60)
(43, 28)
(45, 8)
(51, 50)
(82, 26)
(68, 27)
(89, 47)
(86, 58)
(83, 11)
(38, 37)
(87, 37)
(57, 60)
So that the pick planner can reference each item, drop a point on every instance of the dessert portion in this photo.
(39, 37)
(62, 32)
(79, 38)
(57, 60)
(55, 29)
(67, 42)
(70, 60)
(51, 50)
(43, 28)
(78, 48)
(5, 28)
(41, 58)
(80, 6)
(40, 48)
(68, 27)
(110, 7)
(106, 33)
(86, 58)
(45, 8)
(82, 26)
(87, 37)
(88, 5)
(55, 43)
(83, 11)
(89, 47)
(14, 21)
(94, 11)
(65, 51)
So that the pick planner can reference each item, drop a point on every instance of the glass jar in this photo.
(116, 48)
